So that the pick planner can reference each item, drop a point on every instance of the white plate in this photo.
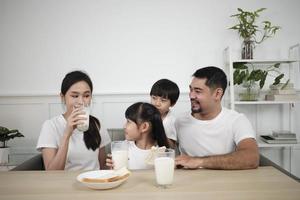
(100, 174)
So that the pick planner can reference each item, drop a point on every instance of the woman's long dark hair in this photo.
(144, 112)
(92, 138)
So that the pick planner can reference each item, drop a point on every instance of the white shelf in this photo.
(292, 71)
(266, 61)
(262, 144)
(263, 102)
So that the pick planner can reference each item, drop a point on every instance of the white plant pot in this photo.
(4, 152)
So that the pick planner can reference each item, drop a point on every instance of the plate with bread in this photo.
(103, 179)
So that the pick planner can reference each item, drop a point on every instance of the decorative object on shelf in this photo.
(282, 92)
(280, 137)
(248, 78)
(248, 46)
(5, 135)
(249, 91)
(274, 140)
(248, 29)
(283, 134)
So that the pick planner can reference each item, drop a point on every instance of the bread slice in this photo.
(118, 175)
(153, 152)
(105, 180)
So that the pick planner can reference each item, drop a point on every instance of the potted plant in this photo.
(248, 29)
(246, 75)
(5, 135)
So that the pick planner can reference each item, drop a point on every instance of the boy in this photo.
(164, 95)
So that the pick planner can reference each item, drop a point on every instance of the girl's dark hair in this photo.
(144, 112)
(92, 138)
(166, 89)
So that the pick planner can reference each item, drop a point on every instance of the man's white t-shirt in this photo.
(78, 156)
(212, 137)
(169, 126)
(137, 157)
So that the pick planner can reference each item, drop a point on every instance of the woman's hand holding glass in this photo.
(75, 118)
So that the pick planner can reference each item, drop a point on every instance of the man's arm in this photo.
(246, 156)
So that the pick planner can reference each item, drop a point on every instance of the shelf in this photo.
(262, 144)
(266, 61)
(263, 102)
(290, 67)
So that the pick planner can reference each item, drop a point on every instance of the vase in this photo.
(4, 152)
(247, 49)
(249, 91)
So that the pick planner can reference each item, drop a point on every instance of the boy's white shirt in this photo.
(169, 126)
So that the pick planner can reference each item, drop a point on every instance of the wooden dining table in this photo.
(262, 183)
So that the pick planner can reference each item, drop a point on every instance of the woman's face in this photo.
(77, 95)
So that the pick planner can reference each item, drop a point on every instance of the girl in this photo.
(143, 129)
(61, 144)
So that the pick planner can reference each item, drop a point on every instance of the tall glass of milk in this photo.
(164, 164)
(84, 126)
(119, 151)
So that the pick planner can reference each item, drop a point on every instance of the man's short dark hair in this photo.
(215, 77)
(166, 89)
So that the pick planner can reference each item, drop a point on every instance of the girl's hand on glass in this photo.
(109, 161)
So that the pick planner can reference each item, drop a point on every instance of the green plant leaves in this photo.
(277, 65)
(284, 85)
(260, 10)
(263, 79)
(6, 134)
(242, 74)
(247, 28)
(277, 79)
(239, 65)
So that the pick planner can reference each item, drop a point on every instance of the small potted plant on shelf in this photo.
(247, 76)
(5, 135)
(250, 31)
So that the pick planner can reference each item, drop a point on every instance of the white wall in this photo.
(132, 42)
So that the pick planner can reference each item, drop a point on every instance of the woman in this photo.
(61, 144)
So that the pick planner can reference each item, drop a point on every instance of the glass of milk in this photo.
(164, 164)
(119, 152)
(85, 123)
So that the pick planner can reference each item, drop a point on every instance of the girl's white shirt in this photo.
(137, 157)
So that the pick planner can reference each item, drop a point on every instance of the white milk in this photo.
(85, 126)
(164, 170)
(120, 158)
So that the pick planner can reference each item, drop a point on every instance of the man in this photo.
(212, 136)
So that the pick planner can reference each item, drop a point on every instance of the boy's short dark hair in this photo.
(166, 89)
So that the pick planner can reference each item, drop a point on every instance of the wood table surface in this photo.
(261, 183)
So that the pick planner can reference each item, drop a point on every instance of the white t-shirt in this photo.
(169, 126)
(78, 156)
(137, 157)
(212, 137)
